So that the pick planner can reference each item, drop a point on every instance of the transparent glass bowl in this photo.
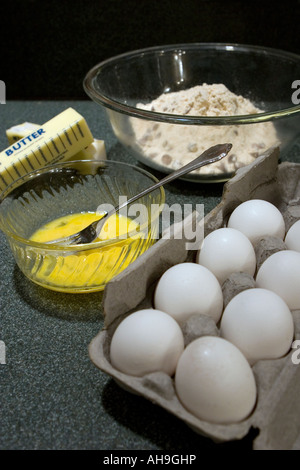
(263, 75)
(75, 187)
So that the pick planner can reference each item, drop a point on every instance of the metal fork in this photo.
(92, 231)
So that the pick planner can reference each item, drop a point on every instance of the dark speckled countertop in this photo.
(52, 396)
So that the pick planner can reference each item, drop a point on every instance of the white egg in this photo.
(280, 273)
(146, 341)
(257, 218)
(186, 289)
(259, 323)
(292, 238)
(214, 381)
(225, 251)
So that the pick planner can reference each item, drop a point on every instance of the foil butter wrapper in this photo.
(276, 415)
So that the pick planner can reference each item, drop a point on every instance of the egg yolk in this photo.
(90, 268)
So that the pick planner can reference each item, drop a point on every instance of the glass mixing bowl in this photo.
(71, 188)
(164, 140)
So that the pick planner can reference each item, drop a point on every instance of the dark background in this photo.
(47, 46)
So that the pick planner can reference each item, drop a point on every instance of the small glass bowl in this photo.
(266, 76)
(75, 187)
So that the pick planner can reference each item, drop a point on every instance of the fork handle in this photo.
(210, 155)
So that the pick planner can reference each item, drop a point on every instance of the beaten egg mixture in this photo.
(89, 267)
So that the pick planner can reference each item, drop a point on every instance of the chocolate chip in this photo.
(258, 146)
(192, 147)
(232, 158)
(166, 159)
(153, 155)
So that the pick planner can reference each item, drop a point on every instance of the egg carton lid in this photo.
(277, 410)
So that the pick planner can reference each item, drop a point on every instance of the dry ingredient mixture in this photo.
(174, 145)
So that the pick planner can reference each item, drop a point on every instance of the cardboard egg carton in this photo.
(277, 412)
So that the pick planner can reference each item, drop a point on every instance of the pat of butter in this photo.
(95, 151)
(57, 140)
(20, 131)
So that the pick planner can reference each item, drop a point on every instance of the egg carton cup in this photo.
(276, 416)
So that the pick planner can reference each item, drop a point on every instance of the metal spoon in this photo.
(91, 232)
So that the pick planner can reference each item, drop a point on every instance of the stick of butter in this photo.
(95, 151)
(57, 140)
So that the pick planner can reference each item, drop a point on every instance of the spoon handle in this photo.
(89, 233)
(210, 155)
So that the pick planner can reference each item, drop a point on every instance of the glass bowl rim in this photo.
(132, 111)
(84, 246)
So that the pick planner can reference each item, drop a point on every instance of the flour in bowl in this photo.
(174, 145)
